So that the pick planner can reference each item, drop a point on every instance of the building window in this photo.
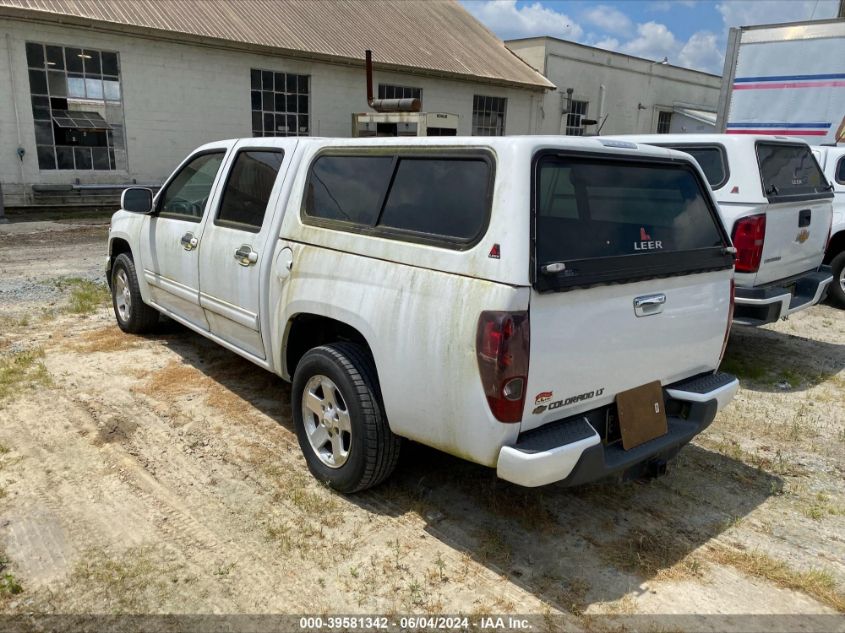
(77, 107)
(664, 121)
(488, 115)
(386, 91)
(280, 103)
(575, 118)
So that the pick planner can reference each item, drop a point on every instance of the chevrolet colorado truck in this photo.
(777, 202)
(553, 308)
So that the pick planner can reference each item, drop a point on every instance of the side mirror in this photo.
(137, 200)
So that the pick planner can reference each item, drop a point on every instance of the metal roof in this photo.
(432, 37)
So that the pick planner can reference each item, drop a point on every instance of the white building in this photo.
(624, 94)
(99, 94)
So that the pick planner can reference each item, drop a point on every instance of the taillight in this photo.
(748, 237)
(502, 346)
(730, 320)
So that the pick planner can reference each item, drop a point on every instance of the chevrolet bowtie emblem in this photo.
(802, 236)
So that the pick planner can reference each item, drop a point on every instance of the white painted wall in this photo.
(630, 82)
(179, 96)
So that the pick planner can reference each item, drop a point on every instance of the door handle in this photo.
(188, 241)
(649, 304)
(246, 256)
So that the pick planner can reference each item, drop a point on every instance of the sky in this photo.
(690, 33)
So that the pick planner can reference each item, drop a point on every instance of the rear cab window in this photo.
(789, 171)
(711, 158)
(605, 220)
(442, 199)
(840, 171)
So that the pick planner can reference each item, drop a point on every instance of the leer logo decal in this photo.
(543, 396)
(646, 243)
(802, 236)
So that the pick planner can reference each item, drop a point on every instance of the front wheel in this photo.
(339, 418)
(837, 286)
(132, 314)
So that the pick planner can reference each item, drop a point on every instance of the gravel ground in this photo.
(161, 474)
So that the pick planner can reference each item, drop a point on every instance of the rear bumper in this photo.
(758, 306)
(571, 452)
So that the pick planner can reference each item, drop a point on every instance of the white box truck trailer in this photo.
(785, 79)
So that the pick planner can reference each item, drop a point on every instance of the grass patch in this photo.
(9, 585)
(652, 555)
(20, 371)
(744, 368)
(818, 583)
(86, 296)
(109, 339)
(136, 582)
(821, 507)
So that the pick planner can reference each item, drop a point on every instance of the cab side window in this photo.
(840, 171)
(187, 194)
(248, 189)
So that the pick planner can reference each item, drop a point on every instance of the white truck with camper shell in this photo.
(776, 203)
(832, 160)
(553, 308)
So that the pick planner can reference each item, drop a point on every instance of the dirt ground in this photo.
(161, 474)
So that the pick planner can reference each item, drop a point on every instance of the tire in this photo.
(355, 449)
(837, 286)
(132, 314)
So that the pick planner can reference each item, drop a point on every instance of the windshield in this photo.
(612, 220)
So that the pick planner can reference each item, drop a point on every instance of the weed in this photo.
(818, 583)
(397, 552)
(132, 583)
(224, 570)
(280, 534)
(441, 565)
(22, 370)
(415, 593)
(821, 507)
(744, 368)
(9, 585)
(86, 296)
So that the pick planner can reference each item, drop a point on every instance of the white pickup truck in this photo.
(776, 202)
(553, 308)
(832, 160)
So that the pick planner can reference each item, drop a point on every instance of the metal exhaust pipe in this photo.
(386, 105)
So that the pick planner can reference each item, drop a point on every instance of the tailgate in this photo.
(631, 284)
(796, 235)
(588, 345)
(799, 212)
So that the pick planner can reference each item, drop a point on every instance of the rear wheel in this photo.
(837, 286)
(339, 418)
(132, 314)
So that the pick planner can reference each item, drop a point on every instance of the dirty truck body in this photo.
(486, 297)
